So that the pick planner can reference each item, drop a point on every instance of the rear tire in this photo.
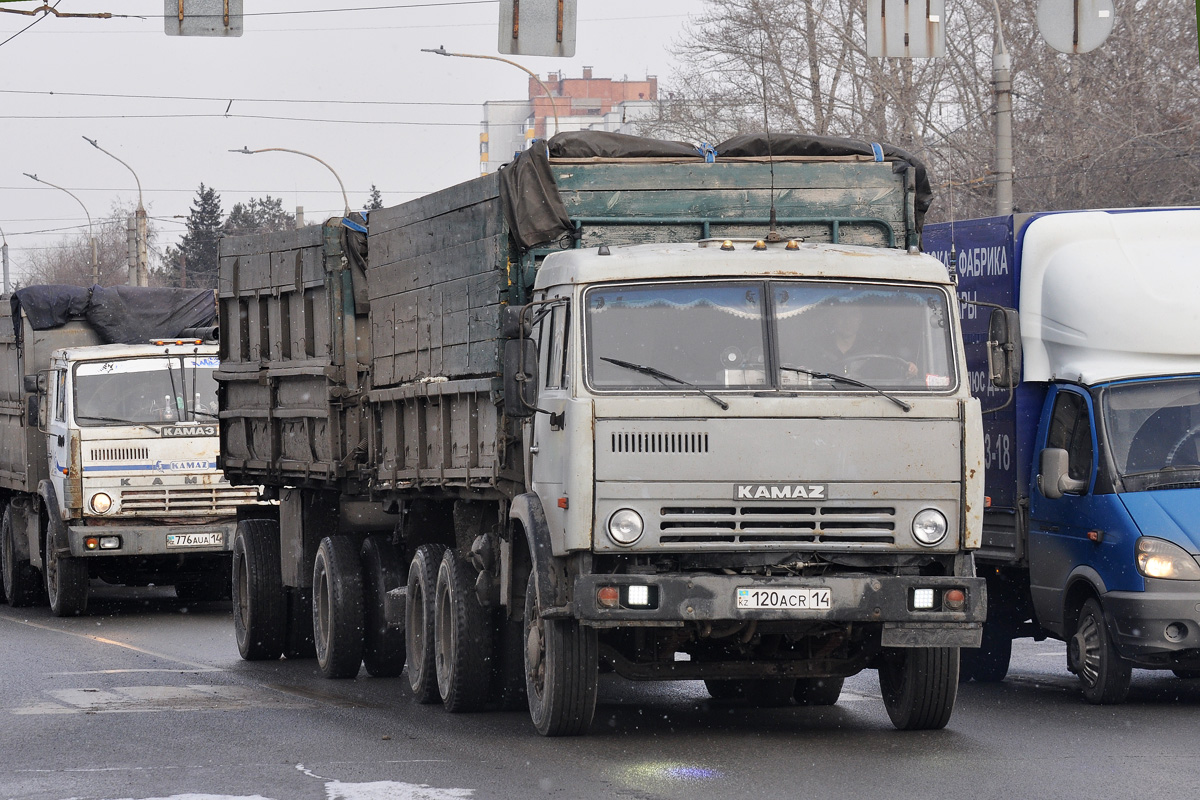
(462, 638)
(259, 611)
(919, 686)
(1103, 675)
(818, 691)
(22, 583)
(66, 580)
(560, 670)
(383, 644)
(338, 607)
(418, 623)
(756, 692)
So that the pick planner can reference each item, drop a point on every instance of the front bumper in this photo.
(1161, 621)
(857, 598)
(152, 540)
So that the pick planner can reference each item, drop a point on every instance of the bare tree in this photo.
(70, 260)
(1116, 127)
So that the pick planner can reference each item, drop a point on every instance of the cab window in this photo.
(1071, 430)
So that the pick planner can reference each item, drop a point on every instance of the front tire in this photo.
(418, 622)
(22, 584)
(919, 686)
(1103, 675)
(462, 638)
(338, 607)
(818, 691)
(560, 670)
(383, 644)
(66, 580)
(259, 610)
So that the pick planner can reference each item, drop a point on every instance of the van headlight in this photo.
(625, 526)
(1158, 558)
(101, 503)
(929, 527)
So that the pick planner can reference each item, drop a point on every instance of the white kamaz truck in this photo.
(108, 451)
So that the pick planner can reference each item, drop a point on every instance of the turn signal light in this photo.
(608, 597)
(954, 599)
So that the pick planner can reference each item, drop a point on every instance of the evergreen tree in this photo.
(259, 215)
(199, 245)
(375, 201)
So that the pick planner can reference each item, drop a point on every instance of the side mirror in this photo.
(515, 323)
(1004, 348)
(520, 378)
(32, 383)
(1054, 480)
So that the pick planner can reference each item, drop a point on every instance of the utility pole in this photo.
(4, 257)
(139, 251)
(1002, 85)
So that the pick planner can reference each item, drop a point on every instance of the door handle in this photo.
(61, 440)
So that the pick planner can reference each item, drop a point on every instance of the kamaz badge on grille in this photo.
(779, 491)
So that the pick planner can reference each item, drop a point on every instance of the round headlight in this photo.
(101, 503)
(625, 526)
(929, 527)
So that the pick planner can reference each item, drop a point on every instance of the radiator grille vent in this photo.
(628, 442)
(121, 454)
(798, 525)
(197, 500)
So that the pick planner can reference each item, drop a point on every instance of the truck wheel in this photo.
(383, 644)
(462, 638)
(757, 692)
(1103, 674)
(418, 622)
(338, 607)
(560, 670)
(22, 584)
(919, 685)
(818, 691)
(258, 600)
(66, 581)
(989, 662)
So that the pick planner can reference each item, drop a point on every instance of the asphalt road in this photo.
(146, 698)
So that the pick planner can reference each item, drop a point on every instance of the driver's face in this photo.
(847, 321)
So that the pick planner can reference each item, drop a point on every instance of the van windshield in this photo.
(760, 335)
(136, 391)
(1152, 429)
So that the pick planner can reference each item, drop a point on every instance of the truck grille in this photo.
(121, 454)
(734, 524)
(186, 500)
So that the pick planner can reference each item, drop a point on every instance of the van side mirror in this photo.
(520, 378)
(1054, 479)
(1004, 348)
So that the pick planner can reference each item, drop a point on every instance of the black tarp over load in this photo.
(119, 314)
(536, 214)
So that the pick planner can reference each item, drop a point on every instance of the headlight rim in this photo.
(95, 507)
(941, 520)
(1179, 559)
(612, 518)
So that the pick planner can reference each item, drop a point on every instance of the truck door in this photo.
(58, 440)
(549, 441)
(1058, 529)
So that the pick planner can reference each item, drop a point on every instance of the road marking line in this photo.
(102, 640)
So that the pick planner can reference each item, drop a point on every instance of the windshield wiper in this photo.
(117, 421)
(829, 376)
(658, 373)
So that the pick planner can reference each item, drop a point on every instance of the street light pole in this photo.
(441, 51)
(4, 259)
(91, 236)
(1002, 84)
(345, 200)
(139, 268)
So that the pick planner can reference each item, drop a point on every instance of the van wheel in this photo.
(383, 644)
(22, 583)
(66, 580)
(418, 622)
(1103, 674)
(919, 686)
(259, 611)
(338, 607)
(757, 692)
(560, 670)
(818, 691)
(462, 638)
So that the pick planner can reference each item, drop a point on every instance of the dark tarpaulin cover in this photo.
(536, 214)
(119, 314)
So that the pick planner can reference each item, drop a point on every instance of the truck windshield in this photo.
(720, 335)
(136, 391)
(1152, 429)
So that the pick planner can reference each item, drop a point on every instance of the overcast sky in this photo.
(406, 121)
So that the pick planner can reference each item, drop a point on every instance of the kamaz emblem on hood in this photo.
(779, 491)
(176, 431)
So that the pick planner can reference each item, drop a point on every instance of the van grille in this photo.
(669, 442)
(186, 500)
(758, 524)
(121, 454)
